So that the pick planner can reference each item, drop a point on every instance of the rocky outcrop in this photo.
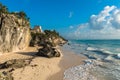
(48, 40)
(10, 65)
(58, 41)
(6, 76)
(14, 33)
(47, 36)
(15, 63)
(48, 51)
(36, 29)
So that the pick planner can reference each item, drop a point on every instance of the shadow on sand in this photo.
(27, 53)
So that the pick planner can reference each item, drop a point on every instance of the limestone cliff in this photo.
(14, 33)
(46, 37)
(49, 39)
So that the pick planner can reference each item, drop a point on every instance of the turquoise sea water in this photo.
(97, 48)
(103, 61)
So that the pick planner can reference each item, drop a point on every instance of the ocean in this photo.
(103, 61)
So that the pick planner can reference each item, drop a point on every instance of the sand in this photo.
(69, 59)
(42, 68)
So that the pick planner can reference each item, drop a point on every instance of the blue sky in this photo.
(67, 16)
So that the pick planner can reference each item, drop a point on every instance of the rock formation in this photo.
(37, 29)
(48, 40)
(48, 51)
(14, 33)
(48, 36)
(10, 65)
(6, 76)
(15, 63)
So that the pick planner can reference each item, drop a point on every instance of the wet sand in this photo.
(69, 59)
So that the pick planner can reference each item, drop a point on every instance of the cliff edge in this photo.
(14, 31)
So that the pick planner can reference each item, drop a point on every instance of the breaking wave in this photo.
(103, 60)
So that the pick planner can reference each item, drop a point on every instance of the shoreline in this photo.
(69, 59)
(46, 68)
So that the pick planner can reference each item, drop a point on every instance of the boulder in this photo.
(48, 51)
(6, 76)
(15, 63)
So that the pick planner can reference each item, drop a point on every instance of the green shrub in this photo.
(3, 9)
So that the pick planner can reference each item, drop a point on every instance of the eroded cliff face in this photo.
(14, 33)
(47, 37)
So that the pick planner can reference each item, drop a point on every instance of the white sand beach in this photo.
(42, 68)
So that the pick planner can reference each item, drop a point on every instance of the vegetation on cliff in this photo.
(47, 37)
(3, 8)
(15, 34)
(48, 40)
(21, 14)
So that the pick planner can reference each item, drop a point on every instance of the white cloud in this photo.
(70, 14)
(103, 19)
(105, 25)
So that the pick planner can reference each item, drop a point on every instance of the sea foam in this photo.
(93, 70)
(103, 62)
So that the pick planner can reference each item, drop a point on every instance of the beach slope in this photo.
(41, 68)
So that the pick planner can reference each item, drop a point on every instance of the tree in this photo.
(3, 9)
(22, 14)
